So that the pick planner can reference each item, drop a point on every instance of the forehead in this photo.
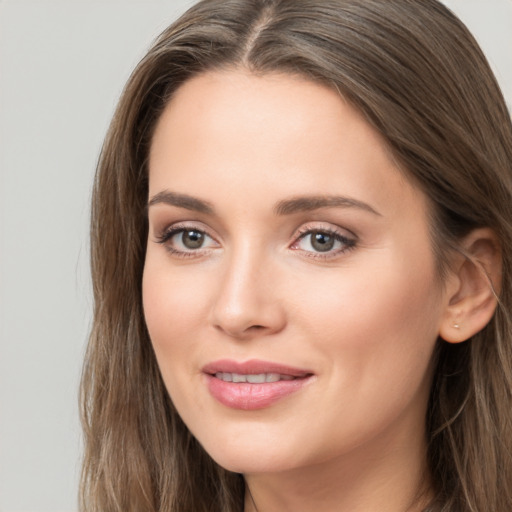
(268, 135)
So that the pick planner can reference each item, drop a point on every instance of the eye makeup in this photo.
(187, 240)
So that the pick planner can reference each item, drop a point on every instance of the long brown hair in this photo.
(413, 69)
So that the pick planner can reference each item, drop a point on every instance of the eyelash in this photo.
(169, 233)
(347, 243)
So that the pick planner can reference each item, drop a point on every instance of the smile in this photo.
(253, 384)
(259, 378)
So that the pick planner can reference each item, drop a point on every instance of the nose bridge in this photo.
(245, 302)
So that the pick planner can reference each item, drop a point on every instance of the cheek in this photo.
(373, 334)
(174, 304)
(174, 307)
(376, 324)
(371, 297)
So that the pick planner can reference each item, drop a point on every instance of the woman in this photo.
(301, 239)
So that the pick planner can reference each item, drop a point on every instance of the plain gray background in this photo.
(63, 64)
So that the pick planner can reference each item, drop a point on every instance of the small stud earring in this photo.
(456, 326)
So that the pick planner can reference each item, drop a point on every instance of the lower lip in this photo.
(249, 397)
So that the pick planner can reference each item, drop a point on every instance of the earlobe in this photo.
(473, 287)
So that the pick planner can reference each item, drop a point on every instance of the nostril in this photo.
(256, 329)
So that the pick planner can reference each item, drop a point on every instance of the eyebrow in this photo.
(181, 201)
(285, 207)
(309, 203)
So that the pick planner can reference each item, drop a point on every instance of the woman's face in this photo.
(290, 289)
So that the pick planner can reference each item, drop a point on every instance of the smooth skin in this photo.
(347, 288)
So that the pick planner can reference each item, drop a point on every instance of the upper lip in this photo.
(253, 367)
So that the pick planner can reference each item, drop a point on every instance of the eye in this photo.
(190, 239)
(186, 240)
(323, 241)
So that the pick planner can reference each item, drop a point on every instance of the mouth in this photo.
(258, 378)
(253, 384)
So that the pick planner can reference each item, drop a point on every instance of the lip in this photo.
(253, 366)
(246, 396)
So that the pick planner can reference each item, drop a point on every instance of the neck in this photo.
(390, 475)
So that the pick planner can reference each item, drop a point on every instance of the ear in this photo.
(472, 287)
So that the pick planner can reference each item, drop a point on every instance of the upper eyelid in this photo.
(182, 226)
(336, 234)
(320, 226)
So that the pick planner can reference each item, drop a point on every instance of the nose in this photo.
(246, 303)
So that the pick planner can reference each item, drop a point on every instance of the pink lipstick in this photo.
(253, 384)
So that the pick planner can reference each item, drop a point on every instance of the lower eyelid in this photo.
(348, 247)
(187, 254)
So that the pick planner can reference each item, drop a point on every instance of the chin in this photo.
(248, 462)
(254, 452)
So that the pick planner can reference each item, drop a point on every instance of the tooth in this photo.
(256, 379)
(259, 378)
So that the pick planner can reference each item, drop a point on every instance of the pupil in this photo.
(322, 242)
(192, 239)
